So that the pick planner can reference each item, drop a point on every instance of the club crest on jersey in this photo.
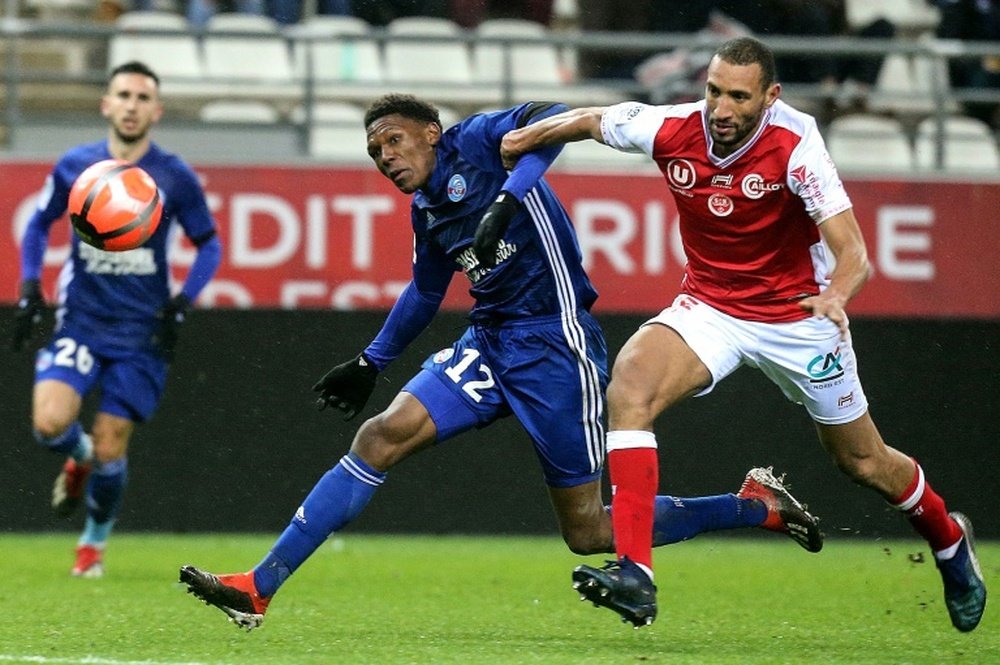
(720, 205)
(457, 188)
(444, 355)
(43, 360)
(754, 187)
(681, 173)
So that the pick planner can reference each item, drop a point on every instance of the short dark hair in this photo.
(749, 51)
(134, 67)
(407, 106)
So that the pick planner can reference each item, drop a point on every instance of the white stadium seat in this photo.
(867, 142)
(969, 145)
(337, 133)
(430, 62)
(342, 54)
(248, 65)
(174, 55)
(245, 111)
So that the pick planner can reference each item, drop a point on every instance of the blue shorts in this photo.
(131, 381)
(549, 373)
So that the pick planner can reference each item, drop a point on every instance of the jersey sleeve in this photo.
(813, 176)
(52, 203)
(416, 306)
(631, 126)
(192, 209)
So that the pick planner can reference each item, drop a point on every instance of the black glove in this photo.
(171, 317)
(492, 227)
(30, 306)
(347, 386)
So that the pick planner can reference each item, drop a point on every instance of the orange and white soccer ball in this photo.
(114, 205)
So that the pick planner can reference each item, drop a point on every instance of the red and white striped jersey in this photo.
(749, 221)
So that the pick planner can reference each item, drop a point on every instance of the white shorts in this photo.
(807, 359)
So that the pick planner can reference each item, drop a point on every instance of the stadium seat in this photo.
(907, 84)
(247, 57)
(342, 54)
(240, 111)
(337, 132)
(910, 16)
(432, 61)
(969, 145)
(529, 63)
(173, 55)
(536, 72)
(867, 142)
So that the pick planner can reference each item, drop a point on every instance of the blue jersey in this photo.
(539, 270)
(115, 296)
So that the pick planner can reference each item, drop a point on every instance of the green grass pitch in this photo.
(392, 600)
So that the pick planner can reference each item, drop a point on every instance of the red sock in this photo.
(927, 513)
(634, 471)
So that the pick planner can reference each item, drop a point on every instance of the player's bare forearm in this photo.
(565, 127)
(843, 236)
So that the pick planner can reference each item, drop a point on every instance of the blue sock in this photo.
(95, 534)
(339, 496)
(105, 490)
(72, 442)
(676, 519)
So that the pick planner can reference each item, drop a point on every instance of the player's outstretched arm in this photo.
(566, 127)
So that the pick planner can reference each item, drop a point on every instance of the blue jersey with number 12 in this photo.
(538, 271)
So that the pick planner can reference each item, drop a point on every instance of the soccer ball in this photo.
(114, 205)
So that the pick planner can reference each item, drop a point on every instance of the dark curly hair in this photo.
(407, 106)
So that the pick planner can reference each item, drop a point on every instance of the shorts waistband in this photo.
(541, 320)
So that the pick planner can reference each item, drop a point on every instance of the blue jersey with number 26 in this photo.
(115, 296)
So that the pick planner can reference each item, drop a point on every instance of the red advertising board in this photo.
(320, 237)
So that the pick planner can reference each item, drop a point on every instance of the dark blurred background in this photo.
(238, 443)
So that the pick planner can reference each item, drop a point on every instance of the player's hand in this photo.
(347, 386)
(30, 306)
(826, 307)
(492, 227)
(171, 317)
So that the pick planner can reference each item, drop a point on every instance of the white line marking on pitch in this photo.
(87, 660)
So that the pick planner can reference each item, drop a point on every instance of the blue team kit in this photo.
(533, 349)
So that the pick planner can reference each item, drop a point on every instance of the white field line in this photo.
(86, 660)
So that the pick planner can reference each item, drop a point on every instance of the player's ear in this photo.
(772, 94)
(433, 133)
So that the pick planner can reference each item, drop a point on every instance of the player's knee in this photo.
(48, 426)
(110, 443)
(862, 469)
(382, 442)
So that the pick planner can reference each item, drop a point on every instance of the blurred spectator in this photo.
(382, 12)
(977, 20)
(286, 12)
(470, 13)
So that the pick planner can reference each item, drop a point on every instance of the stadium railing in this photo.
(54, 72)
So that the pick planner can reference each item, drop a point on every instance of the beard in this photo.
(130, 138)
